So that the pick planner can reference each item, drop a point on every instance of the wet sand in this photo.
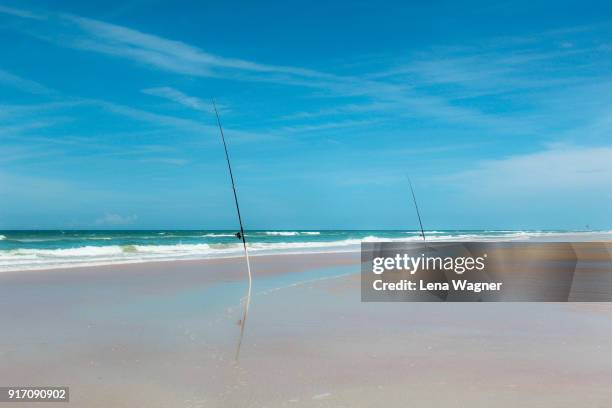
(164, 335)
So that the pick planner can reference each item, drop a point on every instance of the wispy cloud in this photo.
(185, 59)
(116, 220)
(477, 72)
(557, 169)
(170, 55)
(174, 95)
(441, 85)
(184, 124)
(12, 153)
(166, 54)
(198, 104)
(15, 81)
(174, 161)
(349, 108)
(325, 126)
(21, 13)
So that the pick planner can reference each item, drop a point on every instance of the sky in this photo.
(499, 112)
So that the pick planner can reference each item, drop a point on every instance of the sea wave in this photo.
(36, 259)
(2, 237)
(291, 233)
(90, 255)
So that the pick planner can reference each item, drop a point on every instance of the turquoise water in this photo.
(26, 250)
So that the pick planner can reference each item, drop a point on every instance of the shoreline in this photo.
(321, 247)
(233, 266)
(172, 260)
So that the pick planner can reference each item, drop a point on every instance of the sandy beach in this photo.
(164, 335)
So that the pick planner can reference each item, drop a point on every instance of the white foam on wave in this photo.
(291, 233)
(218, 235)
(85, 251)
(426, 232)
(2, 237)
(35, 259)
(264, 246)
(170, 249)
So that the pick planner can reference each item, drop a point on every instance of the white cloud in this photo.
(20, 13)
(180, 123)
(14, 81)
(326, 126)
(111, 219)
(167, 54)
(179, 97)
(558, 169)
(166, 160)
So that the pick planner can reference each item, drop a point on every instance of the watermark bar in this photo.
(486, 271)
(34, 394)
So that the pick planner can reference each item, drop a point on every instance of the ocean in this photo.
(34, 250)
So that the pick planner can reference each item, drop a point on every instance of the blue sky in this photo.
(499, 112)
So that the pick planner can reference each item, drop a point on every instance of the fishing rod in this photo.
(416, 206)
(239, 235)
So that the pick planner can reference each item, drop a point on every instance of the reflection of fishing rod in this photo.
(416, 206)
(239, 235)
